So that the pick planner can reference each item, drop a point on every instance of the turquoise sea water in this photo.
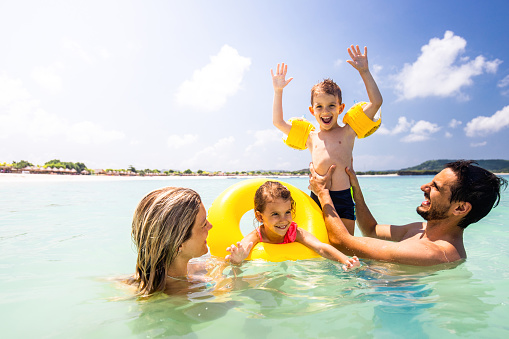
(63, 243)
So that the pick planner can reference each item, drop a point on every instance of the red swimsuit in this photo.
(290, 235)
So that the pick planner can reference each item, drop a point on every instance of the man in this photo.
(459, 195)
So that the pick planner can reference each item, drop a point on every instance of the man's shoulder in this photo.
(409, 230)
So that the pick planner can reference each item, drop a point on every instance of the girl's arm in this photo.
(325, 250)
(241, 251)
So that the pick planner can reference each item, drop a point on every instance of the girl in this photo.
(274, 208)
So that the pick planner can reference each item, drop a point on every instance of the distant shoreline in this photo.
(17, 177)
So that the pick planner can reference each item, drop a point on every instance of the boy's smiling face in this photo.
(326, 109)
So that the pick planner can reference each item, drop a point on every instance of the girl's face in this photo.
(276, 217)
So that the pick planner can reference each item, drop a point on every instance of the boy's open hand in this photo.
(359, 61)
(238, 253)
(278, 80)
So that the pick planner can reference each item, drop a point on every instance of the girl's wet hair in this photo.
(269, 192)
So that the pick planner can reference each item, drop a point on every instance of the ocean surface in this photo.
(64, 243)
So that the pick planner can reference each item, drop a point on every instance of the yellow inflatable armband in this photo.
(228, 208)
(360, 123)
(299, 133)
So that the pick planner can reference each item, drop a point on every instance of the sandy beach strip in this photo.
(16, 177)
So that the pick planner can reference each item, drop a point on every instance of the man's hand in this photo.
(319, 183)
(354, 182)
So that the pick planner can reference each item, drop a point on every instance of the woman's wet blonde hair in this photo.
(162, 222)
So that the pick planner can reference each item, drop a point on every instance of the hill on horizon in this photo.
(493, 165)
(435, 166)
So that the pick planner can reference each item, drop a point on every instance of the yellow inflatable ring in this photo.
(227, 210)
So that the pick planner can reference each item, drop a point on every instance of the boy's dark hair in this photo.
(327, 86)
(475, 185)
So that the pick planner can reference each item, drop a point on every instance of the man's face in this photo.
(437, 194)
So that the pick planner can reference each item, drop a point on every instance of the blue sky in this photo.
(186, 84)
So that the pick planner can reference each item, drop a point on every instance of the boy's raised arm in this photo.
(360, 63)
(279, 82)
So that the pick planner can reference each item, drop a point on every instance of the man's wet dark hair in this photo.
(475, 185)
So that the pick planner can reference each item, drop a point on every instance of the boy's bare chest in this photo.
(332, 144)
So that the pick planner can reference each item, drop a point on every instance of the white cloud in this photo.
(454, 123)
(22, 117)
(448, 135)
(338, 63)
(42, 124)
(479, 144)
(179, 141)
(77, 49)
(11, 90)
(263, 138)
(487, 125)
(104, 53)
(402, 126)
(48, 79)
(376, 69)
(437, 71)
(504, 82)
(214, 82)
(87, 132)
(220, 155)
(421, 131)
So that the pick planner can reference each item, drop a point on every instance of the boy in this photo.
(331, 144)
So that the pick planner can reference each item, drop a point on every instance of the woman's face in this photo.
(196, 246)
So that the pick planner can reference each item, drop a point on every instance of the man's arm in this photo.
(408, 251)
(360, 63)
(279, 82)
(365, 220)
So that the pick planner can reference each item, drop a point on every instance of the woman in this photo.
(169, 228)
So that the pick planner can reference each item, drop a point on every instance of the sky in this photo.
(186, 84)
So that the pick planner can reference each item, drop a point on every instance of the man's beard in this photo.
(432, 213)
